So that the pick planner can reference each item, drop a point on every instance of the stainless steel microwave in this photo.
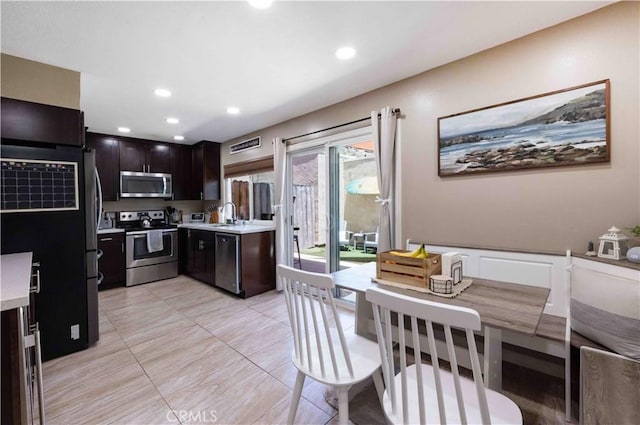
(145, 185)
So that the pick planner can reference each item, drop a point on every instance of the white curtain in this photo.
(280, 164)
(384, 137)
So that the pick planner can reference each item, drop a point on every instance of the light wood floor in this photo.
(179, 351)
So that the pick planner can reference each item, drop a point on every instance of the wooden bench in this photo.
(553, 328)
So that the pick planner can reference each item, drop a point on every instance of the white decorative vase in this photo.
(633, 254)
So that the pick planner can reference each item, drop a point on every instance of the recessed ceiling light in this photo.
(260, 4)
(178, 137)
(171, 120)
(345, 53)
(233, 110)
(162, 93)
(124, 129)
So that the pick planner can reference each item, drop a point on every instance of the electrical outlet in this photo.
(75, 331)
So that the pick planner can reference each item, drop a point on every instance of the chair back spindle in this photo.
(322, 351)
(319, 342)
(424, 396)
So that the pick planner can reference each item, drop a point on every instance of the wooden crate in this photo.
(407, 270)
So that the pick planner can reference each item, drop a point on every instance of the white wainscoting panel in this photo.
(542, 270)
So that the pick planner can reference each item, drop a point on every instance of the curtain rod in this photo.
(394, 112)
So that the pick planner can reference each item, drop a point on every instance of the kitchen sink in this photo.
(217, 224)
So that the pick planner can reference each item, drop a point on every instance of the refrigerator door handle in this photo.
(99, 199)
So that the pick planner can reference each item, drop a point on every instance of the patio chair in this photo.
(322, 350)
(371, 241)
(344, 236)
(424, 393)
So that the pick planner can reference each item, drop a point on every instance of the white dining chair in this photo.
(322, 350)
(423, 393)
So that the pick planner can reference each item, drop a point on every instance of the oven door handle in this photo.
(143, 233)
(144, 236)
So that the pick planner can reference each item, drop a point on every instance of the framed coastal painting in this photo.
(564, 127)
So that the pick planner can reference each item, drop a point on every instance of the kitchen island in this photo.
(20, 340)
(239, 258)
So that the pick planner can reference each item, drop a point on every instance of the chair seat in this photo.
(365, 359)
(502, 409)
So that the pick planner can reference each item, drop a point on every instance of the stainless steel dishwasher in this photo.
(228, 262)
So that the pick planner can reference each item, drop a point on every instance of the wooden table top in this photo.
(501, 305)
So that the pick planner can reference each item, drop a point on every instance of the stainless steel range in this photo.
(151, 246)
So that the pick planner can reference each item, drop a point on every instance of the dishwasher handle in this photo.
(226, 238)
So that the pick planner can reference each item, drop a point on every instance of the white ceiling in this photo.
(273, 64)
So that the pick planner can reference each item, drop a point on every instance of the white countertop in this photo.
(240, 229)
(113, 230)
(15, 280)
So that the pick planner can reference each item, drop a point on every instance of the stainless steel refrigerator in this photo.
(48, 206)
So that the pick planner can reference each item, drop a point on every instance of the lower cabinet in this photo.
(257, 259)
(112, 263)
(196, 254)
(204, 256)
(257, 263)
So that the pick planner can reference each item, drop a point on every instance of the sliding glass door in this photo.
(353, 210)
(331, 188)
(307, 194)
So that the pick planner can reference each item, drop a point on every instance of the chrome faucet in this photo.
(234, 211)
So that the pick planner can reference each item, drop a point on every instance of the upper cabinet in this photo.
(36, 122)
(195, 170)
(106, 148)
(144, 156)
(158, 157)
(181, 172)
(205, 171)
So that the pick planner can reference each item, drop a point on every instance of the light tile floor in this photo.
(179, 351)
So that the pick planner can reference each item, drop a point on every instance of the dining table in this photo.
(501, 306)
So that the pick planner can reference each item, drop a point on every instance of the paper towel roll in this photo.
(448, 260)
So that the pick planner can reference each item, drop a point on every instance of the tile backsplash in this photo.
(146, 204)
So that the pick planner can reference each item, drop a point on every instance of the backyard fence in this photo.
(305, 215)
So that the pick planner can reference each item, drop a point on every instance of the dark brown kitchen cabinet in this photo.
(205, 171)
(107, 162)
(144, 156)
(204, 268)
(37, 122)
(158, 157)
(112, 263)
(197, 254)
(258, 260)
(181, 171)
(133, 156)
